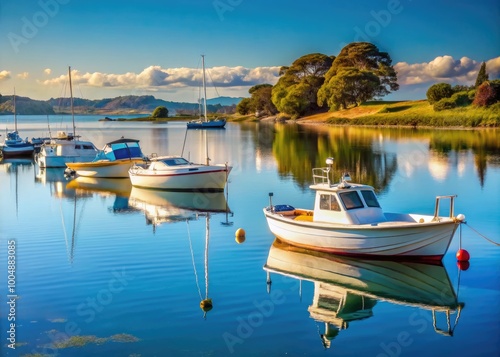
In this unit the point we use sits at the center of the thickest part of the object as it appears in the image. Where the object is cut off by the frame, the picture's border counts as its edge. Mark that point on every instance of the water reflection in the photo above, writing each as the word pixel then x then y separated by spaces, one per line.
pixel 170 207
pixel 14 166
pixel 120 188
pixel 56 181
pixel 366 152
pixel 346 290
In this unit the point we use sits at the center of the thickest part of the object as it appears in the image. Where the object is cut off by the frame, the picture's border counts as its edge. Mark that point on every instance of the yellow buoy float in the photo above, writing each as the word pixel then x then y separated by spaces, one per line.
pixel 240 235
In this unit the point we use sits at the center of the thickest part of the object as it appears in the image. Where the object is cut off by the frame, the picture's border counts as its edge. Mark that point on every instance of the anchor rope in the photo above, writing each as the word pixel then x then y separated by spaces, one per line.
pixel 482 235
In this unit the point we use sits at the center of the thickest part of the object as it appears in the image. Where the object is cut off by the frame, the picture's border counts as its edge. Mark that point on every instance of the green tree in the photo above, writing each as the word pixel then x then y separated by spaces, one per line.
pixel 360 63
pixel 349 87
pixel 438 91
pixel 482 76
pixel 244 107
pixel 261 99
pixel 296 90
pixel 160 112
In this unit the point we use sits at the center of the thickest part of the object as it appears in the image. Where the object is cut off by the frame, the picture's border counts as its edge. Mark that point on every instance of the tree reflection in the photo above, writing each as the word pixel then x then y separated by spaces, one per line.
pixel 299 148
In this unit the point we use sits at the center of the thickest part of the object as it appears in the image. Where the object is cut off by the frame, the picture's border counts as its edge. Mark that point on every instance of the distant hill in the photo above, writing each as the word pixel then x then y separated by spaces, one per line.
pixel 130 104
pixel 24 105
pixel 225 100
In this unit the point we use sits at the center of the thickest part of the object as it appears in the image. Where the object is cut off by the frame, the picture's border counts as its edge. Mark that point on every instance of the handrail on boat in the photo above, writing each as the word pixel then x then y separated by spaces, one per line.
pixel 452 206
pixel 321 175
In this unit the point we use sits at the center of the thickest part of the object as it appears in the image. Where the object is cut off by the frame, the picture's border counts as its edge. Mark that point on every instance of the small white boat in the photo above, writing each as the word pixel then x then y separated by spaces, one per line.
pixel 176 173
pixel 348 220
pixel 113 161
pixel 65 147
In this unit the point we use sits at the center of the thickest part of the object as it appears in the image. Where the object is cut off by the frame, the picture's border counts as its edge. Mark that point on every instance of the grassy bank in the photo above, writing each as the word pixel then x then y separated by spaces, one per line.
pixel 410 113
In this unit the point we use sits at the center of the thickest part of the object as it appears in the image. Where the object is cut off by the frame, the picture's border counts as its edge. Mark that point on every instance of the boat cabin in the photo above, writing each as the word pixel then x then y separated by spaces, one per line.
pixel 168 162
pixel 346 204
pixel 120 149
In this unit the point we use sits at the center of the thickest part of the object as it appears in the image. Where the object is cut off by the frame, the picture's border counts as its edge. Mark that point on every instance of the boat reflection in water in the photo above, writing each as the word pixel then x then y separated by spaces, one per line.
pixel 119 187
pixel 54 178
pixel 347 289
pixel 173 206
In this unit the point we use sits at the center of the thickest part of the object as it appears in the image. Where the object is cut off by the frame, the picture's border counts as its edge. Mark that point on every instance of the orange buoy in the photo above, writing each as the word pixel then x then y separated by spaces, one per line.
pixel 463 255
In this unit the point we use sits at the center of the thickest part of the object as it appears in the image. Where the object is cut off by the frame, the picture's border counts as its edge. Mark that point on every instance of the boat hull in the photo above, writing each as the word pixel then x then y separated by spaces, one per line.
pixel 395 240
pixel 214 124
pixel 103 169
pixel 206 178
pixel 18 150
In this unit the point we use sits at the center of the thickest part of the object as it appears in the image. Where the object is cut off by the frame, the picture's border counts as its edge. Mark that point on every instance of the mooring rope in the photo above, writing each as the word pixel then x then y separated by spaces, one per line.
pixel 482 235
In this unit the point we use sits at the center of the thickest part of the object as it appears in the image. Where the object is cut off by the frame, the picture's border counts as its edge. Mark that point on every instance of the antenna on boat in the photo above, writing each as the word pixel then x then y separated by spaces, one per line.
pixel 329 163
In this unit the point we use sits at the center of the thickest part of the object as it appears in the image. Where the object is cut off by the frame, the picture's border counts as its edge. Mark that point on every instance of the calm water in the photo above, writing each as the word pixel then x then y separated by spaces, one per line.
pixel 103 269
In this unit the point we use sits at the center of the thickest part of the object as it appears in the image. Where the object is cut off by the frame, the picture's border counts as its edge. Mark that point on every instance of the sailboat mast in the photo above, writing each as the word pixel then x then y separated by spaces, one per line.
pixel 205 108
pixel 15 112
pixel 204 88
pixel 71 102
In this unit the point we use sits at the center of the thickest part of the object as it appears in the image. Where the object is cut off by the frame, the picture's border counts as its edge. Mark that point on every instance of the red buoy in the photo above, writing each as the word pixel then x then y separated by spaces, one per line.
pixel 463 255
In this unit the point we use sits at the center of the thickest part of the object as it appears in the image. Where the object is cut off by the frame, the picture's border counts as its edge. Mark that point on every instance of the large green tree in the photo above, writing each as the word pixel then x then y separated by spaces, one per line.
pixel 296 90
pixel 259 101
pixel 362 71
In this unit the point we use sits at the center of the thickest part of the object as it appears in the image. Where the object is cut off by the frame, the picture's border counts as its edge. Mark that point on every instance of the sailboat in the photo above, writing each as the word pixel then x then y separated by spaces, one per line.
pixel 66 147
pixel 14 145
pixel 204 123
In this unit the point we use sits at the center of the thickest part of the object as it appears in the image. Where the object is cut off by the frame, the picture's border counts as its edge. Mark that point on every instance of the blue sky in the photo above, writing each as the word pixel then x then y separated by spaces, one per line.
pixel 154 47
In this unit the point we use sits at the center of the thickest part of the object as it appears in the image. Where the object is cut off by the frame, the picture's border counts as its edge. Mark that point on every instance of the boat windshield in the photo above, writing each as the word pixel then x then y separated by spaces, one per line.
pixel 370 199
pixel 123 151
pixel 175 161
pixel 351 200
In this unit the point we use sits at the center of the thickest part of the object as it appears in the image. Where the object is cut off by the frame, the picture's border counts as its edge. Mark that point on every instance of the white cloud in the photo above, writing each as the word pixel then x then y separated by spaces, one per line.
pixel 23 75
pixel 4 75
pixel 156 77
pixel 47 71
pixel 493 68
pixel 446 69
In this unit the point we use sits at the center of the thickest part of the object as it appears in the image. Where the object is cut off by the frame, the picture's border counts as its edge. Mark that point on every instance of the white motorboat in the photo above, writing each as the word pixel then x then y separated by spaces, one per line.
pixel 113 161
pixel 348 220
pixel 176 173
pixel 57 152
